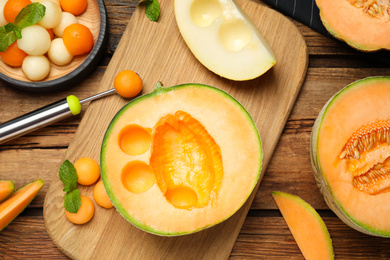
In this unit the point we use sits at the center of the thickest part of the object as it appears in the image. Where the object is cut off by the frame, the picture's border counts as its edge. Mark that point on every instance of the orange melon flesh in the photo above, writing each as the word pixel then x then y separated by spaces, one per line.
pixel 306 226
pixel 354 25
pixel 359 104
pixel 14 205
pixel 203 161
pixel 6 189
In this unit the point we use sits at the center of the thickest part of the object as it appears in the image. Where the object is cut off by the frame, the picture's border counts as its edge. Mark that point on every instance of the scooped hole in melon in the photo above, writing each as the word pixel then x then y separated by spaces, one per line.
pixel 134 140
pixel 235 35
pixel 138 177
pixel 204 12
pixel 182 197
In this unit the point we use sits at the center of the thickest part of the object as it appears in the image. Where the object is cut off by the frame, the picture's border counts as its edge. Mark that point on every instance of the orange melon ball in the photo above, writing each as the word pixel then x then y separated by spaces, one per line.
pixel 128 84
pixel 75 7
pixel 78 39
pixel 100 195
pixel 88 171
pixel 85 212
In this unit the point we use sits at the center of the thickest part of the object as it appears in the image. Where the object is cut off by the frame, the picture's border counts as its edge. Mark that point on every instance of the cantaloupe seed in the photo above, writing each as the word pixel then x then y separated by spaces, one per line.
pixel 100 195
pixel 369 175
pixel 88 171
pixel 134 139
pixel 85 212
pixel 184 152
pixel 138 177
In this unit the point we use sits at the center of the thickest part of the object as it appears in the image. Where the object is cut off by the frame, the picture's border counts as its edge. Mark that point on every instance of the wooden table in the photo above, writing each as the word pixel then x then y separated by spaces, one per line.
pixel 265 235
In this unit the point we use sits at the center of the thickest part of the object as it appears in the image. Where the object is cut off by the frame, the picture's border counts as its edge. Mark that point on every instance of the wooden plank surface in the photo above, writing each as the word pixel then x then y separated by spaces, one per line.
pixel 264 234
pixel 158 53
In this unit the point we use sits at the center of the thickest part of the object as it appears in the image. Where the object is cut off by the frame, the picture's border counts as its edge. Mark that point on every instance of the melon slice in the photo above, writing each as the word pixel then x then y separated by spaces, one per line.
pixel 223 38
pixel 14 205
pixel 306 226
pixel 6 189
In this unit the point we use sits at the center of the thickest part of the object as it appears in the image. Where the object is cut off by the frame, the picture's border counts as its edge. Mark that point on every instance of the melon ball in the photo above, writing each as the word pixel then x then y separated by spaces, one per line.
pixel 2 19
pixel 35 40
pixel 36 67
pixel 66 20
pixel 58 53
pixel 52 16
pixel 54 1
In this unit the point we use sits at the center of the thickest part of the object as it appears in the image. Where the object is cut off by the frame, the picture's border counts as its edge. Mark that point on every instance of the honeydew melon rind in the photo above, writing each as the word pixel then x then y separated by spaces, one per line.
pixel 160 90
pixel 321 180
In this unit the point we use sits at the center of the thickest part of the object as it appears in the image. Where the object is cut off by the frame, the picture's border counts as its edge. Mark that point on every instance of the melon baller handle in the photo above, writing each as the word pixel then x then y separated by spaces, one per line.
pixel 44 116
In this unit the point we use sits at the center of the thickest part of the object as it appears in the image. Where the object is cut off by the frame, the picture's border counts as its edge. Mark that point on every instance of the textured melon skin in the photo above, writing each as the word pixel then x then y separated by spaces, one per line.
pixel 159 90
pixel 320 178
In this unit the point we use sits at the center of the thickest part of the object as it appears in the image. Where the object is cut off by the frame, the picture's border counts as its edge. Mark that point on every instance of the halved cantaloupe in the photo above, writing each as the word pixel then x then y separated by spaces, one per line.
pixel 18 201
pixel 6 189
pixel 306 226
pixel 350 151
pixel 223 38
pixel 180 159
pixel 363 24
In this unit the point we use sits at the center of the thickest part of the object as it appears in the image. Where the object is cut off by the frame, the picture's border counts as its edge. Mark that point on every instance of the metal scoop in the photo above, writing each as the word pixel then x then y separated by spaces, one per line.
pixel 49 114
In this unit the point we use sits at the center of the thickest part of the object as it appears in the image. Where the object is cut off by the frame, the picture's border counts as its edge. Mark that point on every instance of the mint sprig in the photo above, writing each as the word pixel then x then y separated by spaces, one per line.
pixel 29 15
pixel 152 9
pixel 68 175
pixel 72 201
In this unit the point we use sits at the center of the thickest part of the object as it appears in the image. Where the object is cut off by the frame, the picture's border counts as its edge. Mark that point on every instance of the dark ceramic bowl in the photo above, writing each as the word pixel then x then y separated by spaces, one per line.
pixel 62 77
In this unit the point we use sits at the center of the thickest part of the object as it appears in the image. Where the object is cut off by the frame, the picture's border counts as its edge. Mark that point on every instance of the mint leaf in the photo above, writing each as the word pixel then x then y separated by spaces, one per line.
pixel 7 36
pixel 152 10
pixel 72 201
pixel 30 15
pixel 68 175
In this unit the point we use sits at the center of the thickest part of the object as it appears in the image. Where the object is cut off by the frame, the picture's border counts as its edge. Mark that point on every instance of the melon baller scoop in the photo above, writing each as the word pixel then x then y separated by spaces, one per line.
pixel 46 115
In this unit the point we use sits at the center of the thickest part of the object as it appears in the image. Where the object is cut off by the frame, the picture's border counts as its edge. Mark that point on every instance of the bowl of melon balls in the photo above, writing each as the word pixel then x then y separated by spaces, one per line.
pixel 50 45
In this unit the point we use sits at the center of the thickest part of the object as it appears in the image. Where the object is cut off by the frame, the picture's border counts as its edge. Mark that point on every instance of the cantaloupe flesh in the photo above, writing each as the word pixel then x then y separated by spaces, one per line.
pixel 6 188
pixel 349 23
pixel 146 209
pixel 363 104
pixel 306 226
pixel 14 205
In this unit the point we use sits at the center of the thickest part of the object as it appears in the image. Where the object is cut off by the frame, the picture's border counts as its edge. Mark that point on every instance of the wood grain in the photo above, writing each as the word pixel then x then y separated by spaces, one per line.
pixel 158 53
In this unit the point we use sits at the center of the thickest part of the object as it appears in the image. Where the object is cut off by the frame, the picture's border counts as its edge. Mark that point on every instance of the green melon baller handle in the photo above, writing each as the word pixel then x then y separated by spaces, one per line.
pixel 41 117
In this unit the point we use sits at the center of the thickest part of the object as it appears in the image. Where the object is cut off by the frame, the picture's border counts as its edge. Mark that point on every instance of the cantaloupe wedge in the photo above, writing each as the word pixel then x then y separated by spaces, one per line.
pixel 306 226
pixel 14 205
pixel 6 189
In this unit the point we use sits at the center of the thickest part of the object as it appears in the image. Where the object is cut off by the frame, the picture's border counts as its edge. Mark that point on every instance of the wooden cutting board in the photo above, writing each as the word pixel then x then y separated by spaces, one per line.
pixel 158 53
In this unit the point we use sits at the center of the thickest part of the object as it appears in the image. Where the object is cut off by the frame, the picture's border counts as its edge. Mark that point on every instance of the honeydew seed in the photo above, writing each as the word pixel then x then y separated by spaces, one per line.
pixel 35 40
pixel 58 53
pixel 66 20
pixel 52 16
pixel 36 67
pixel 2 19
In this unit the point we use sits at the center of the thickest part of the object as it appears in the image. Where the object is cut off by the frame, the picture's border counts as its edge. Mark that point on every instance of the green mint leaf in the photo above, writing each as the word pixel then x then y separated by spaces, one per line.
pixel 68 175
pixel 30 15
pixel 72 201
pixel 7 37
pixel 152 10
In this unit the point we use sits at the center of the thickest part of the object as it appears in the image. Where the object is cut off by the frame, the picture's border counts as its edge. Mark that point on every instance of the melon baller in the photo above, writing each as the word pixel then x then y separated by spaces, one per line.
pixel 46 115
